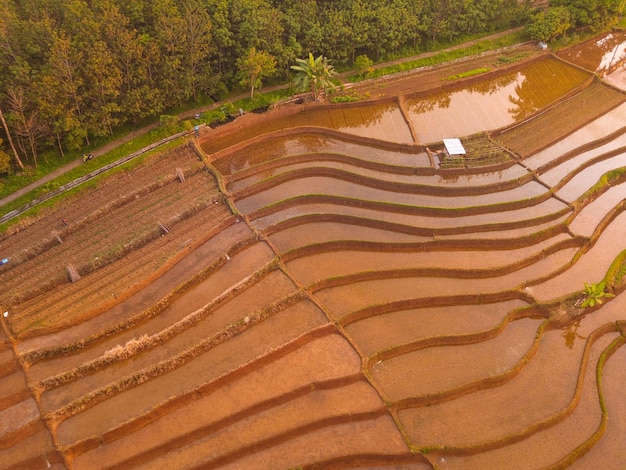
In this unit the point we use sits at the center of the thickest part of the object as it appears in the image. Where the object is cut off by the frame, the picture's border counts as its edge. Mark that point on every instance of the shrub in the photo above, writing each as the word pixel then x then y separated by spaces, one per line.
pixel 469 73
pixel 363 65
pixel 594 294
pixel 5 163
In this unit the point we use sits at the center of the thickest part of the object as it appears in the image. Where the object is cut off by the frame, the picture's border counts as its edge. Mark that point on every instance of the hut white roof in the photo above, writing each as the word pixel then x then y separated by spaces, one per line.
pixel 454 147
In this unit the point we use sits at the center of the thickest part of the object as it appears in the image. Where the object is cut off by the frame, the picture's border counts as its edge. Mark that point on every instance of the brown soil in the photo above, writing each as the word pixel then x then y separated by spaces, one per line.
pixel 323 299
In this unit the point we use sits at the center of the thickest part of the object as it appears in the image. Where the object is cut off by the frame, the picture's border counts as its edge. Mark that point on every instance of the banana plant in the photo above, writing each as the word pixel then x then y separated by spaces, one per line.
pixel 314 73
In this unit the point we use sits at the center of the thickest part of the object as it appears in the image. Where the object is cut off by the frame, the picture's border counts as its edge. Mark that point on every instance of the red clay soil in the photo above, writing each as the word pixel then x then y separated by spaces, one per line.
pixel 365 322
pixel 24 439
pixel 290 373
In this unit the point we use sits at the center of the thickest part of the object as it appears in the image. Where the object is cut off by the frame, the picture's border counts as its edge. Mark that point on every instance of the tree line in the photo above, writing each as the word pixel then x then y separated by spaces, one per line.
pixel 73 70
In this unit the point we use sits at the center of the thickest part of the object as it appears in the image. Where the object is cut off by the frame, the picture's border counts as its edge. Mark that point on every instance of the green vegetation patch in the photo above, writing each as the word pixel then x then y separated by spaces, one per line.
pixel 506 60
pixel 444 56
pixel 469 73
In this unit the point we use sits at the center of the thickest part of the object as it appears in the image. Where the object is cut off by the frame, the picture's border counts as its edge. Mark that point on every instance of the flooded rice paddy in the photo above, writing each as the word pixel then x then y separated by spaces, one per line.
pixel 370 301
pixel 492 103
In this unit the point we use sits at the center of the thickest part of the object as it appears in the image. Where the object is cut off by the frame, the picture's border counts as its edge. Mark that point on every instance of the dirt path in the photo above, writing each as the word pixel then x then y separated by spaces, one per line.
pixel 188 114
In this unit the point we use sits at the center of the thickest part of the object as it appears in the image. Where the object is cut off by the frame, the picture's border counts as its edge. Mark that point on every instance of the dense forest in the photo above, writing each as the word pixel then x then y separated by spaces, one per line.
pixel 77 69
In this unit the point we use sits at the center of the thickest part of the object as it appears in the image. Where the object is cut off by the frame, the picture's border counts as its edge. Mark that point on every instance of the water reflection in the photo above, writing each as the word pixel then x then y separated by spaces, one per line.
pixel 487 104
pixel 602 55
pixel 570 333
pixel 383 121
pixel 306 144
pixel 441 100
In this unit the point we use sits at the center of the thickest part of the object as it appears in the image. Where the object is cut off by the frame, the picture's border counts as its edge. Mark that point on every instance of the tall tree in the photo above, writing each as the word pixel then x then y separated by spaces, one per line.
pixel 5 162
pixel 59 94
pixel 6 129
pixel 167 26
pixel 254 67
pixel 302 22
pixel 131 53
pixel 549 24
pixel 597 14
pixel 196 43
pixel 256 23
pixel 223 40
pixel 102 87
pixel 29 127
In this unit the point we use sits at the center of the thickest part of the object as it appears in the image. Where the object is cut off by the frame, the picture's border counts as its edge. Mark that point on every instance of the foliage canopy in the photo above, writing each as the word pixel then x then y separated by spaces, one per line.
pixel 75 71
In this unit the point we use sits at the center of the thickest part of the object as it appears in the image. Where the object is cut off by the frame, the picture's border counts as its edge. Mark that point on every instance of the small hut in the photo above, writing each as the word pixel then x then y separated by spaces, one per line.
pixel 453 148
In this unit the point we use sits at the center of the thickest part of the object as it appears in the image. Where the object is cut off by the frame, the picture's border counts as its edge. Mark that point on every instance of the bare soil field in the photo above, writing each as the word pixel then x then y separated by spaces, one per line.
pixel 320 292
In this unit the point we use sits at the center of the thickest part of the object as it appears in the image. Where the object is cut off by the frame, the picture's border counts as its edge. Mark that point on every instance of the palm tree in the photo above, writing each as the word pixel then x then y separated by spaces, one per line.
pixel 314 74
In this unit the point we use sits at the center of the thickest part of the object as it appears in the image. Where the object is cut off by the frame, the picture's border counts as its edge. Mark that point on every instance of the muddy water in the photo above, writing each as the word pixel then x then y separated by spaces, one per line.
pixel 279 147
pixel 611 447
pixel 294 371
pixel 545 447
pixel 17 416
pixel 588 219
pixel 603 55
pixel 596 129
pixel 480 223
pixel 267 291
pixel 486 415
pixel 492 103
pixel 29 451
pixel 587 177
pixel 343 300
pixel 383 121
pixel 352 169
pixel 591 267
pixel 337 441
pixel 414 374
pixel 336 187
pixel 340 263
pixel 285 418
pixel 223 359
pixel 308 234
pixel 404 326
pixel 555 175
pixel 355 168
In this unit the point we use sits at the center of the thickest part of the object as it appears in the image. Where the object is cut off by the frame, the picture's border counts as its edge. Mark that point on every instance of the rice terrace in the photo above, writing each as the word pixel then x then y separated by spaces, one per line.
pixel 324 286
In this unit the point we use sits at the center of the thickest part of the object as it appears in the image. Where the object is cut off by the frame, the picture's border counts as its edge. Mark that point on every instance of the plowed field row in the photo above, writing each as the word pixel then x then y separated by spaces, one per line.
pixel 154 169
pixel 561 120
pixel 91 246
pixel 86 298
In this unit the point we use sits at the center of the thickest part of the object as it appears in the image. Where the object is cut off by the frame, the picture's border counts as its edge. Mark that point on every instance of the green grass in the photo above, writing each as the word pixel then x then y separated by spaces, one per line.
pixel 445 56
pixel 469 73
pixel 344 99
pixel 512 59
pixel 110 157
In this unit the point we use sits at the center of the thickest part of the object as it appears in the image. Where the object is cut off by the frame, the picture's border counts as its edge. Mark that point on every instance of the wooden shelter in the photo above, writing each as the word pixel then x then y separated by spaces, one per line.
pixel 453 148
